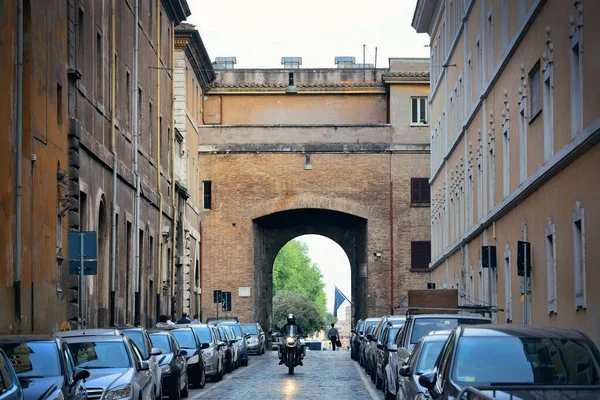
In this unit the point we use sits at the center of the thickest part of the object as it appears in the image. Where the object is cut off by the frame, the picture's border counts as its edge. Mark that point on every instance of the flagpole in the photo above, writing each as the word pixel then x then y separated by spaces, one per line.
pixel 342 294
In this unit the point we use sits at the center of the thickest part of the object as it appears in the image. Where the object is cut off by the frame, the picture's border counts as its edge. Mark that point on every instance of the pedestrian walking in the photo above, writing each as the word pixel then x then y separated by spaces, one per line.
pixel 334 336
pixel 195 320
pixel 184 319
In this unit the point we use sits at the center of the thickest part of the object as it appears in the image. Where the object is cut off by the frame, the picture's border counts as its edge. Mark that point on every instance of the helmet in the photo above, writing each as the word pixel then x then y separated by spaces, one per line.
pixel 291 319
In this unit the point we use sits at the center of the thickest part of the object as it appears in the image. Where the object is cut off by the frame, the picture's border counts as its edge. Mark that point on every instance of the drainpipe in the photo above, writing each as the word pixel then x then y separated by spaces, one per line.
pixel 158 164
pixel 173 201
pixel 391 238
pixel 113 147
pixel 136 172
pixel 19 187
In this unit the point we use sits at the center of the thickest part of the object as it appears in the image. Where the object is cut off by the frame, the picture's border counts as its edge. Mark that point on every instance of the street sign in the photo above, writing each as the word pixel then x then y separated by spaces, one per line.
pixel 216 296
pixel 90 253
pixel 226 296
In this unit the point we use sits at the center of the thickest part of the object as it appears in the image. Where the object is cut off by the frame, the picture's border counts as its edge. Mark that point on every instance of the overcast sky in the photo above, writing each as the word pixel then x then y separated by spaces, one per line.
pixel 260 32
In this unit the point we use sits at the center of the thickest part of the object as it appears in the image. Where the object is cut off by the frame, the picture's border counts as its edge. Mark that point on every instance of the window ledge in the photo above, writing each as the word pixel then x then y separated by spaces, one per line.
pixel 417 205
pixel 421 270
pixel 413 125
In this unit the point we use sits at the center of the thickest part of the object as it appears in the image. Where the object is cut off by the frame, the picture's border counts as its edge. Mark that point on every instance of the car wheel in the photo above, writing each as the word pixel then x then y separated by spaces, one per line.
pixel 202 380
pixel 186 389
pixel 245 363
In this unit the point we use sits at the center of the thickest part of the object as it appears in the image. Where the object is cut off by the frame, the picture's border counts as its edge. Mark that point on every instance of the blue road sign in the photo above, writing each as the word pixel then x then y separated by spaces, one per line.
pixel 90 253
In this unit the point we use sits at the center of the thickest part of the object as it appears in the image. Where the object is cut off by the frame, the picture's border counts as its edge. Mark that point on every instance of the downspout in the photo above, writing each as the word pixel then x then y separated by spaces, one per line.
pixel 158 165
pixel 113 148
pixel 173 201
pixel 19 169
pixel 391 239
pixel 136 171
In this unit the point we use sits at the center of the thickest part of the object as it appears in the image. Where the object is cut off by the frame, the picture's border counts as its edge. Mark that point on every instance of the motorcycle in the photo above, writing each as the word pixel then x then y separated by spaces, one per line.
pixel 291 348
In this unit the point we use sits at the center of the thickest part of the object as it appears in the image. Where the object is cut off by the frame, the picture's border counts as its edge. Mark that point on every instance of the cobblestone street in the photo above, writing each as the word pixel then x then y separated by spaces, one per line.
pixel 325 375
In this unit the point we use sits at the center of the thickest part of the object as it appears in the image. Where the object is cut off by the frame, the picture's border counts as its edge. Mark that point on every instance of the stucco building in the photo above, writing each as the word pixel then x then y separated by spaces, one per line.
pixel 337 154
pixel 515 123
pixel 193 75
pixel 33 292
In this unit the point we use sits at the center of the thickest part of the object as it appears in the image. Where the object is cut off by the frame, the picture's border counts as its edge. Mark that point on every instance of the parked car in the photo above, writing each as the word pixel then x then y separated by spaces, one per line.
pixel 173 365
pixel 10 388
pixel 214 354
pixel 116 367
pixel 375 340
pixel 355 340
pixel 142 340
pixel 187 340
pixel 88 332
pixel 383 352
pixel 256 342
pixel 45 367
pixel 240 336
pixel 402 382
pixel 369 329
pixel 235 345
pixel 230 348
pixel 515 360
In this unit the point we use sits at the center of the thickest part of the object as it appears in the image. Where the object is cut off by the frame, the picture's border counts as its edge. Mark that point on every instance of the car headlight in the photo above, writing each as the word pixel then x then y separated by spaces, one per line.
pixel 166 369
pixel 254 341
pixel 193 359
pixel 119 393
pixel 208 353
pixel 291 340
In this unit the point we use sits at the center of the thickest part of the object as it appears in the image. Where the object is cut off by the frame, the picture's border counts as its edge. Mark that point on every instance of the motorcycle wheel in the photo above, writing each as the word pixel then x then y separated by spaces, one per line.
pixel 291 369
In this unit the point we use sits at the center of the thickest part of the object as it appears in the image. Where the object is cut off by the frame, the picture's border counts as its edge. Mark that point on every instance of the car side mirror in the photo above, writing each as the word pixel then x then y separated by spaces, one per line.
pixel 369 336
pixel 155 352
pixel 353 331
pixel 392 347
pixel 380 346
pixel 205 346
pixel 248 335
pixel 144 366
pixel 221 344
pixel 232 341
pixel 428 380
pixel 182 353
pixel 405 370
pixel 80 374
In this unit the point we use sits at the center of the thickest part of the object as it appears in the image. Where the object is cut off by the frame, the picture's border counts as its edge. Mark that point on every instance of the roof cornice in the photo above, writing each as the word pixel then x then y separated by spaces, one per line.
pixel 177 10
pixel 423 15
pixel 188 39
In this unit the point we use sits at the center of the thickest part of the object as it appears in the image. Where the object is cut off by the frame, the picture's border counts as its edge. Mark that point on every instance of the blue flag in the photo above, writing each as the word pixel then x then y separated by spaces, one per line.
pixel 338 300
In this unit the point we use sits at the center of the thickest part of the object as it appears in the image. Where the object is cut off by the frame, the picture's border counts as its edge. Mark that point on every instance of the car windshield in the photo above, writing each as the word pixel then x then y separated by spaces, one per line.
pixel 428 356
pixel 100 355
pixel 185 338
pixel 423 326
pixel 203 334
pixel 250 329
pixel 540 361
pixel 33 359
pixel 392 334
pixel 138 339
pixel 161 342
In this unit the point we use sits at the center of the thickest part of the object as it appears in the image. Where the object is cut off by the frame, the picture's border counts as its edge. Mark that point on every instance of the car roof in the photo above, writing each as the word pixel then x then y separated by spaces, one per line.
pixel 27 338
pixel 522 331
pixel 374 319
pixel 435 338
pixel 449 316
pixel 158 331
pixel 442 332
pixel 89 332
pixel 91 338
pixel 131 328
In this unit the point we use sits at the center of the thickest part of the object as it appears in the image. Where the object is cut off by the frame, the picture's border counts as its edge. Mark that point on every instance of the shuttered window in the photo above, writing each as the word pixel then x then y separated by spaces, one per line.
pixel 419 191
pixel 420 254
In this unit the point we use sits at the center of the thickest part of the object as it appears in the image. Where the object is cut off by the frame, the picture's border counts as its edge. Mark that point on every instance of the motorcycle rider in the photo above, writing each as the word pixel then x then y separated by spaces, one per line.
pixel 291 321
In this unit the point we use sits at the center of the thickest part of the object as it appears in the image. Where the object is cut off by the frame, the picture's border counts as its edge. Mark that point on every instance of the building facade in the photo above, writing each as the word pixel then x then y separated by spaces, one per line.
pixel 515 122
pixel 193 75
pixel 35 173
pixel 336 152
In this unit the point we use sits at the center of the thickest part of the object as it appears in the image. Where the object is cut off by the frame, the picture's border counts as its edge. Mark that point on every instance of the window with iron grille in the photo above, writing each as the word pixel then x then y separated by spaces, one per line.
pixel 207 189
pixel 420 191
pixel 420 254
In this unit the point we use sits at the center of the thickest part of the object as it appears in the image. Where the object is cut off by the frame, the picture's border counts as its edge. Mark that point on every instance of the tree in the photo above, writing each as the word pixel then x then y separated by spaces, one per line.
pixel 330 319
pixel 293 270
pixel 307 315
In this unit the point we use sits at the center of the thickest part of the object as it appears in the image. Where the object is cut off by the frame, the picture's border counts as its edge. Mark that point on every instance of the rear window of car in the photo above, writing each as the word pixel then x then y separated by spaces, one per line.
pixel 422 326
pixel 161 342
pixel 250 329
pixel 97 355
pixel 39 359
pixel 185 338
pixel 428 356
pixel 203 334
pixel 540 361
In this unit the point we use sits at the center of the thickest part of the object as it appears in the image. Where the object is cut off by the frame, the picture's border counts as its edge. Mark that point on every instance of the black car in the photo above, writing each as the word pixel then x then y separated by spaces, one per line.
pixel 229 350
pixel 514 360
pixel 355 340
pixel 240 337
pixel 10 388
pixel 187 340
pixel 45 367
pixel 172 363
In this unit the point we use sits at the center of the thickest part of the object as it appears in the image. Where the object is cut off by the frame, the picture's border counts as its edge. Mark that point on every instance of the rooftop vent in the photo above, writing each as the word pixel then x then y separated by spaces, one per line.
pixel 291 62
pixel 345 62
pixel 224 62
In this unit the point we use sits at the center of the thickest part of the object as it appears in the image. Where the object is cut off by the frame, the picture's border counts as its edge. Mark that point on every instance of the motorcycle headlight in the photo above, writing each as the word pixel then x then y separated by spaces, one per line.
pixel 193 359
pixel 291 340
pixel 166 369
pixel 119 393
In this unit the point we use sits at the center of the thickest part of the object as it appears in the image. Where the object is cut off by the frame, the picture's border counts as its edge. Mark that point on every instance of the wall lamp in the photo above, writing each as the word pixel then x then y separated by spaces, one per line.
pixel 377 254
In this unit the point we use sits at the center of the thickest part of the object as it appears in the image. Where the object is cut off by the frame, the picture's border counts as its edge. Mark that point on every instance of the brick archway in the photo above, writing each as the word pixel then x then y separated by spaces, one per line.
pixel 271 232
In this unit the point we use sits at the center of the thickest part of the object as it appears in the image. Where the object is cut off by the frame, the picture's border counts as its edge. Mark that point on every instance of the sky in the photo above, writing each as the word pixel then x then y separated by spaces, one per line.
pixel 260 32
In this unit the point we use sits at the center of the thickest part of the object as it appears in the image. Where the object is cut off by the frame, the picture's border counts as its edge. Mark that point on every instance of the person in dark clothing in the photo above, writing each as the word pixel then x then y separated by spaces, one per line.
pixel 291 324
pixel 184 319
pixel 334 336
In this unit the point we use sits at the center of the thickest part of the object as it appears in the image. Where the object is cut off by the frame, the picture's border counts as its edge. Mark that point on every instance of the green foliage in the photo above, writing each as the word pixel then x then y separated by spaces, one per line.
pixel 330 319
pixel 295 271
pixel 307 315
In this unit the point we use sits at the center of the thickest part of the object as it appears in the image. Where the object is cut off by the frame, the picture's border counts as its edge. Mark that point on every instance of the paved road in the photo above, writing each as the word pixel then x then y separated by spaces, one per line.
pixel 325 375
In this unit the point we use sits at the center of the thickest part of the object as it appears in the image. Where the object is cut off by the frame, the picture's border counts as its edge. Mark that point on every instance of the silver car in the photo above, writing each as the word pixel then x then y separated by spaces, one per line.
pixel 214 355
pixel 117 369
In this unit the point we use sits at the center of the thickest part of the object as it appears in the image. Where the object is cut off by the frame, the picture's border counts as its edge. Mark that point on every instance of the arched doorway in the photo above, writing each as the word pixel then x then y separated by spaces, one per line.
pixel 273 231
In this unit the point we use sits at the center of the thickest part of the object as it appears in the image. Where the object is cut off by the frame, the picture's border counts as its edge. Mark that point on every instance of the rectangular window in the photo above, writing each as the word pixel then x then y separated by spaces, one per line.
pixel 419 110
pixel 535 104
pixel 522 144
pixel 492 176
pixel 504 24
pixel 506 159
pixel 579 258
pixel 508 288
pixel 139 111
pixel 99 67
pixel 420 254
pixel 128 95
pixel 576 89
pixel 469 89
pixel 207 195
pixel 80 58
pixel 551 268
pixel 82 211
pixel 420 191
pixel 151 128
pixel 59 253
pixel 59 104
pixel 479 67
pixel 151 17
pixel 490 43
pixel 548 113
